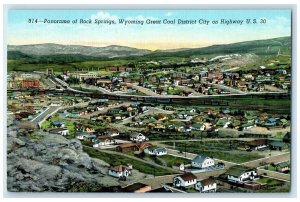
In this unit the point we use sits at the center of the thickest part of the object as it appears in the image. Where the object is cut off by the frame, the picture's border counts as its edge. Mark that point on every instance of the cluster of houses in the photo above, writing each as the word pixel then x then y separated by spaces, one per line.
pixel 25 106
pixel 208 119
pixel 94 106
pixel 187 180
pixel 111 84
pixel 165 81
pixel 236 174
pixel 122 112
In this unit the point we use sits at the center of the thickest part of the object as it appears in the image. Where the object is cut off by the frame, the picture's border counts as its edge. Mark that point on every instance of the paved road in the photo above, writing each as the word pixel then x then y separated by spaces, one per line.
pixel 45 114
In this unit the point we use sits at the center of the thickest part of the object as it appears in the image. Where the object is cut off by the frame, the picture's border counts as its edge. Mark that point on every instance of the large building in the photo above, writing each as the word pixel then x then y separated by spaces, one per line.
pixel 30 83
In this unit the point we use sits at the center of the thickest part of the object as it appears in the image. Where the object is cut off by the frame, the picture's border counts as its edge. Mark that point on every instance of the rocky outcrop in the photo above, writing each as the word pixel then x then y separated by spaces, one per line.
pixel 39 161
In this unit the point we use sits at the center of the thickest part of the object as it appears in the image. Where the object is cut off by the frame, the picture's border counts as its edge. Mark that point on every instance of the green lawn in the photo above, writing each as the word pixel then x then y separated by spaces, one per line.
pixel 69 125
pixel 270 181
pixel 114 159
pixel 170 160
pixel 223 150
pixel 270 167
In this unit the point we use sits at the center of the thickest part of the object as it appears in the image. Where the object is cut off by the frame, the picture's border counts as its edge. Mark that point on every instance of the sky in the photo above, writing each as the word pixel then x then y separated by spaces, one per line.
pixel 147 36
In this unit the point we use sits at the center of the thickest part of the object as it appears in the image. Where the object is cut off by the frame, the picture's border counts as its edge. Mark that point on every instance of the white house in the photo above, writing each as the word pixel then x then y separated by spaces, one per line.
pixel 199 127
pixel 58 124
pixel 113 132
pixel 103 141
pixel 184 180
pixel 137 137
pixel 202 161
pixel 85 136
pixel 156 151
pixel 206 185
pixel 60 131
pixel 239 174
pixel 120 171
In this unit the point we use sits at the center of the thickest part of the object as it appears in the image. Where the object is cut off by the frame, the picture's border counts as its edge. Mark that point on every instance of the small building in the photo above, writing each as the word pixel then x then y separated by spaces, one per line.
pixel 199 127
pixel 60 131
pixel 277 145
pixel 184 180
pixel 127 147
pixel 113 132
pixel 84 128
pixel 239 174
pixel 30 83
pixel 58 124
pixel 133 146
pixel 137 137
pixel 120 171
pixel 156 151
pixel 258 144
pixel 85 136
pixel 283 167
pixel 248 126
pixel 206 185
pixel 178 166
pixel 202 161
pixel 103 141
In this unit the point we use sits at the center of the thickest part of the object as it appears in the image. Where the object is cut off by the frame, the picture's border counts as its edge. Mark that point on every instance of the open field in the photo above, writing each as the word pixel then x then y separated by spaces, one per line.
pixel 222 150
pixel 114 159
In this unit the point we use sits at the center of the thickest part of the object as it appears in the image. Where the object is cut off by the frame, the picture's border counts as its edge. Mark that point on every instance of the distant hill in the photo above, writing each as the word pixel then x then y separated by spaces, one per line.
pixel 73 53
pixel 258 47
pixel 58 49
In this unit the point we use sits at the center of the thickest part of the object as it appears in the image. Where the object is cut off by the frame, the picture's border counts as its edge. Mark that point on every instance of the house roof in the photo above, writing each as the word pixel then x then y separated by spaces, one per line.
pixel 187 176
pixel 237 170
pixel 199 158
pixel 161 149
pixel 283 164
pixel 207 181
pixel 258 142
pixel 135 134
pixel 58 122
pixel 143 145
pixel 277 144
pixel 119 168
